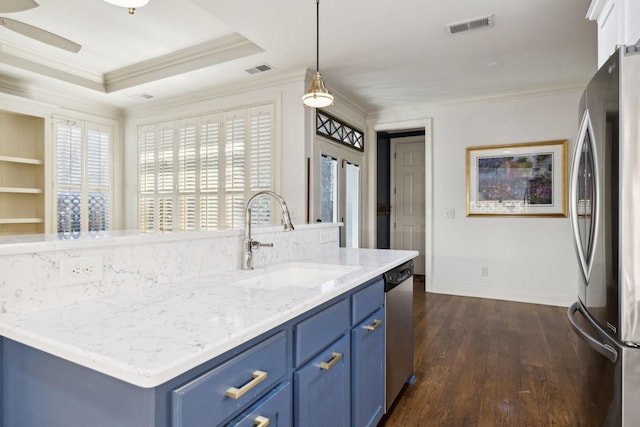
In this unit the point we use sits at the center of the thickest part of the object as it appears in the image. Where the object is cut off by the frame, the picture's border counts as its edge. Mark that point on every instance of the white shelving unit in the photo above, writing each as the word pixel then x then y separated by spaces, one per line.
pixel 22 203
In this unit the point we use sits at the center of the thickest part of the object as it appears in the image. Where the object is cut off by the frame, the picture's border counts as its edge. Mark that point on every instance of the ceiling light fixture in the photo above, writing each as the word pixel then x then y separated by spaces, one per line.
pixel 317 95
pixel 129 4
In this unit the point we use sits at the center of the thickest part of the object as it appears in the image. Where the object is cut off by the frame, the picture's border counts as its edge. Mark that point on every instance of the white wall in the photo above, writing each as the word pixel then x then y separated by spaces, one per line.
pixel 529 259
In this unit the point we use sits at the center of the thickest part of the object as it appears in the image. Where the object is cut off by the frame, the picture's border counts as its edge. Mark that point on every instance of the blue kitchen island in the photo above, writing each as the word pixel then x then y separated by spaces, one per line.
pixel 298 343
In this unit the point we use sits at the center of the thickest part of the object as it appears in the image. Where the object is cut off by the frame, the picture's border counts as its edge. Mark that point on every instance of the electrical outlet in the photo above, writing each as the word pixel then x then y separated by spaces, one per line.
pixel 333 235
pixel 78 270
pixel 324 236
pixel 484 271
pixel 450 213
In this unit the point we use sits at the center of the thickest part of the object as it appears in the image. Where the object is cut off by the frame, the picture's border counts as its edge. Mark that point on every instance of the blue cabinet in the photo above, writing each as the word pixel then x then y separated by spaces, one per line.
pixel 322 388
pixel 367 346
pixel 368 355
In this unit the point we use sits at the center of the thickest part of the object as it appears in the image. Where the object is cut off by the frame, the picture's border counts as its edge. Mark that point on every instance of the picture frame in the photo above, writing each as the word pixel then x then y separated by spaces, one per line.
pixel 519 180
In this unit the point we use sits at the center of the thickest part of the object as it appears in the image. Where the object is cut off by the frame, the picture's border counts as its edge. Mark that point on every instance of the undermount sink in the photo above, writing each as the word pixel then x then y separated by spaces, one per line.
pixel 295 274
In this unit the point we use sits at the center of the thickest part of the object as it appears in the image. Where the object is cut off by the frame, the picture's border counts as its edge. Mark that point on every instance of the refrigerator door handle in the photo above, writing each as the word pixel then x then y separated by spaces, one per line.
pixel 585 258
pixel 604 349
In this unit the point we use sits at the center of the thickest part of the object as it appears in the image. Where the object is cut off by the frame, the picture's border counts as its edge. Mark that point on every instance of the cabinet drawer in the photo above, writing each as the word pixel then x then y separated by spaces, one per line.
pixel 273 410
pixel 318 331
pixel 210 396
pixel 367 301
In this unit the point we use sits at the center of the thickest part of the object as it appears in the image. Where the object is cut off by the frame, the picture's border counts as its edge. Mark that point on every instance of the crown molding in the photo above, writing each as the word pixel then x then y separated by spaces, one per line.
pixel 50 101
pixel 213 52
pixel 257 82
pixel 498 97
pixel 30 56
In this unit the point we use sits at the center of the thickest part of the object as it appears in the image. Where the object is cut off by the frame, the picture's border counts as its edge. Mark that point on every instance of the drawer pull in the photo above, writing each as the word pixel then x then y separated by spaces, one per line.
pixel 335 358
pixel 372 327
pixel 261 421
pixel 236 393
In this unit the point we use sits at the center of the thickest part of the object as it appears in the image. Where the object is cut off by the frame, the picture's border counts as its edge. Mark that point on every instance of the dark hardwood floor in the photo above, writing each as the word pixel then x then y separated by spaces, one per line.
pixel 482 362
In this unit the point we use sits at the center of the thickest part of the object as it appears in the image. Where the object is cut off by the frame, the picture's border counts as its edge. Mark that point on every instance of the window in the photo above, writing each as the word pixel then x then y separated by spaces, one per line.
pixel 338 131
pixel 82 177
pixel 340 150
pixel 198 173
pixel 328 188
pixel 338 190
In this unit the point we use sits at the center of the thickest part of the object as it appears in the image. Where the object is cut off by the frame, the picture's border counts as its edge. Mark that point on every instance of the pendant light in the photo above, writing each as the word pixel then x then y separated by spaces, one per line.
pixel 317 95
pixel 129 4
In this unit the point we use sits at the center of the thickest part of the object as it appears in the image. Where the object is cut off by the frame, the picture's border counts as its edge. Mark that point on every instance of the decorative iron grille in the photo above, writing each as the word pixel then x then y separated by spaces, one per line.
pixel 339 131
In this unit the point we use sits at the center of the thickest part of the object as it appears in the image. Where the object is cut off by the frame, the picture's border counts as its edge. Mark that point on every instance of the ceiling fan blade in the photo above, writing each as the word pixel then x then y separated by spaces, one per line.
pixel 39 34
pixel 8 6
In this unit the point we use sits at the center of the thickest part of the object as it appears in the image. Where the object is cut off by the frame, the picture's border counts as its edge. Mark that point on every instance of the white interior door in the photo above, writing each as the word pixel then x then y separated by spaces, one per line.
pixel 408 198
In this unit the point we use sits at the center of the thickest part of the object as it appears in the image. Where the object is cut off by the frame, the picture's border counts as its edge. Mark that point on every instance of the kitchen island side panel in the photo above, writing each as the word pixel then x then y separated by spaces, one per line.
pixel 43 390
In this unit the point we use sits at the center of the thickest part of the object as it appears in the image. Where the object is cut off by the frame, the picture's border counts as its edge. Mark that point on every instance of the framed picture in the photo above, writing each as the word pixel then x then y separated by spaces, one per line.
pixel 527 179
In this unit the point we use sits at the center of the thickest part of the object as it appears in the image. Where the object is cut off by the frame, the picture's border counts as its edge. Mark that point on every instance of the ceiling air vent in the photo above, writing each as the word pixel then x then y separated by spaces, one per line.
pixel 259 69
pixel 473 24
pixel 142 96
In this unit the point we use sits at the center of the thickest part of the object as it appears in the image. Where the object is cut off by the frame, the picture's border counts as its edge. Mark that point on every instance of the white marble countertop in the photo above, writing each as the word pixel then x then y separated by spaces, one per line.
pixel 150 336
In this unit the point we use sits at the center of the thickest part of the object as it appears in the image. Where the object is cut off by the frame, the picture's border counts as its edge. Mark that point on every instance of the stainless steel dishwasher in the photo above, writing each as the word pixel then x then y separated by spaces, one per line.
pixel 398 288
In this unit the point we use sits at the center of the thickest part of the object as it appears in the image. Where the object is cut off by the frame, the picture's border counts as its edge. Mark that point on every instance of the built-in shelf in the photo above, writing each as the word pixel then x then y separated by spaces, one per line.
pixel 21 220
pixel 21 190
pixel 22 173
pixel 23 160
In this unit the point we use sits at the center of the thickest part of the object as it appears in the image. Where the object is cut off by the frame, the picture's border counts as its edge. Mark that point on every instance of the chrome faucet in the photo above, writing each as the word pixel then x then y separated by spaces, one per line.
pixel 249 244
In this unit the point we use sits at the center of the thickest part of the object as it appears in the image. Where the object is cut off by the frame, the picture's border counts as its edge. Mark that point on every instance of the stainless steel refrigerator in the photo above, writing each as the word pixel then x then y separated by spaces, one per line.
pixel 604 203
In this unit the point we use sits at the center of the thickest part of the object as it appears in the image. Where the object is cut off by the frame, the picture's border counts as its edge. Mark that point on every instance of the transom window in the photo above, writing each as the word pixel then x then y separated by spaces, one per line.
pixel 338 131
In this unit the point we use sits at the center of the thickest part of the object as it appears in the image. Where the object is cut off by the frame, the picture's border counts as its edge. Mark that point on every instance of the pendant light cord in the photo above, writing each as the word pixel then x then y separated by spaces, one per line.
pixel 317 35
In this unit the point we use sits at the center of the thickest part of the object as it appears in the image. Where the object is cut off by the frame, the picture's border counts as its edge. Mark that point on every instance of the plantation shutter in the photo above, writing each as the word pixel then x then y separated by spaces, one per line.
pixel 69 178
pixel 198 173
pixel 82 177
pixel 209 171
pixel 98 178
pixel 234 164
pixel 187 174
pixel 260 155
pixel 166 167
pixel 147 172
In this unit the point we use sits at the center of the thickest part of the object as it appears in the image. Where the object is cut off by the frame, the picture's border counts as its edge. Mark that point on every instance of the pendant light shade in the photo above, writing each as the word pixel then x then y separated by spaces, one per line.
pixel 129 4
pixel 317 95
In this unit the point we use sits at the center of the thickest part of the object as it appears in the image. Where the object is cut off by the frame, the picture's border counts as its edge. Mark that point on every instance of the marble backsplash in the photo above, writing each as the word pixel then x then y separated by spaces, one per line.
pixel 30 272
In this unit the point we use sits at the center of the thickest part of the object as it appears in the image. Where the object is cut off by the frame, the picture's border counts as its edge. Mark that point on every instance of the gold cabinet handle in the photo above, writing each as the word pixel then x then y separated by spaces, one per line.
pixel 372 327
pixel 335 358
pixel 261 421
pixel 236 393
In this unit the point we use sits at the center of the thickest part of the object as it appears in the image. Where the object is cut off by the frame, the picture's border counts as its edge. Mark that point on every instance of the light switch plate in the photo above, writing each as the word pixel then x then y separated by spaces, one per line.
pixel 78 270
